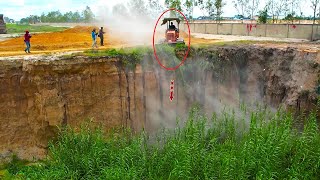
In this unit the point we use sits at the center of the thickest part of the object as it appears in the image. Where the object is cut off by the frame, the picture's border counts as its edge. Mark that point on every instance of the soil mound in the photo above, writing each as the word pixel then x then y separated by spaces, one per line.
pixel 81 29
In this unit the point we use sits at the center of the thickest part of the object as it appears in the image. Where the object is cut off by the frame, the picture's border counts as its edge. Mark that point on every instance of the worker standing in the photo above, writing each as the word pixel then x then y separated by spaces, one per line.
pixel 94 38
pixel 101 36
pixel 27 37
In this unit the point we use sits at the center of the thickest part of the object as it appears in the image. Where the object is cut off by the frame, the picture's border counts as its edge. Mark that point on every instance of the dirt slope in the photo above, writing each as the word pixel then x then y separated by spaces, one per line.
pixel 71 39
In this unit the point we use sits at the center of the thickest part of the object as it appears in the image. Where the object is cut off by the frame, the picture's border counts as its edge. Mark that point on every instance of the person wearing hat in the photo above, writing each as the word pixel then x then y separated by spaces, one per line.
pixel 27 37
pixel 94 38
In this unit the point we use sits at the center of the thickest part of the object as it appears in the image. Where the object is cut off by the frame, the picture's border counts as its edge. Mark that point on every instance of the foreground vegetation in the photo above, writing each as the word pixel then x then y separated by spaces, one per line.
pixel 223 147
pixel 19 28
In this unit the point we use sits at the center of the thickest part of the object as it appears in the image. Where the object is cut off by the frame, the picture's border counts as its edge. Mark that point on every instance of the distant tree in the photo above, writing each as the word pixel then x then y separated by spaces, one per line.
pixel 43 18
pixel 281 8
pixel 272 8
pixel 242 7
pixel 290 17
pixel 54 16
pixel 155 8
pixel 291 11
pixel 67 17
pixel 88 15
pixel 189 4
pixel 30 19
pixel 253 7
pixel 209 7
pixel 36 19
pixel 314 6
pixel 295 4
pixel 137 8
pixel 263 16
pixel 218 4
pixel 57 16
pixel 173 4
pixel 119 10
pixel 76 17
pixel 33 19
pixel 24 21
pixel 202 5
pixel 300 11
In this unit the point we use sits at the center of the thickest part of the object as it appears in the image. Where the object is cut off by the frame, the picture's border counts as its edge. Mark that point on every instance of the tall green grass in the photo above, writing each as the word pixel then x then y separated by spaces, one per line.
pixel 19 28
pixel 220 147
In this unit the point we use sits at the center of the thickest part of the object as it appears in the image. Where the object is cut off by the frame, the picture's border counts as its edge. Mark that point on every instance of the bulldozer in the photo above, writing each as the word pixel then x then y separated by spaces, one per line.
pixel 172 33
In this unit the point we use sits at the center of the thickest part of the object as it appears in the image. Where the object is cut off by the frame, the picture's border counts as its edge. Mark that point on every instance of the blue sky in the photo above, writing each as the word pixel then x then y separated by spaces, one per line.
pixel 17 9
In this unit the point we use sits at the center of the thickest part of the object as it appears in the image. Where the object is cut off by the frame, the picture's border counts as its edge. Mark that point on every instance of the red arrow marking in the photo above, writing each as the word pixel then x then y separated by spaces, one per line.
pixel 171 90
pixel 171 96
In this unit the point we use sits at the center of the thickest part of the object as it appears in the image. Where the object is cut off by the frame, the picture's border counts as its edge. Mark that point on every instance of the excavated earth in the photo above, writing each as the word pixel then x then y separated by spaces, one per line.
pixel 37 95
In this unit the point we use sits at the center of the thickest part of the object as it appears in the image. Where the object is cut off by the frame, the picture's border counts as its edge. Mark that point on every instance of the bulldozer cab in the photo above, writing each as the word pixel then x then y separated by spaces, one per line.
pixel 172 32
pixel 168 21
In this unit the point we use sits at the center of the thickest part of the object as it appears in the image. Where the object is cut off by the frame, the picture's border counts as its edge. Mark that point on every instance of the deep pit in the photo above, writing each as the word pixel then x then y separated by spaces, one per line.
pixel 39 95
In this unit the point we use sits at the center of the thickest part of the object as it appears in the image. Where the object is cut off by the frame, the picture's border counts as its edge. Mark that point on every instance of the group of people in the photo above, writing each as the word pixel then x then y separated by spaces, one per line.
pixel 94 36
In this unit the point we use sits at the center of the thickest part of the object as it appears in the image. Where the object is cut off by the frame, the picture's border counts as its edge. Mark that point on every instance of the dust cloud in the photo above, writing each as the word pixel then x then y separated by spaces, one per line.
pixel 213 92
pixel 194 85
pixel 133 20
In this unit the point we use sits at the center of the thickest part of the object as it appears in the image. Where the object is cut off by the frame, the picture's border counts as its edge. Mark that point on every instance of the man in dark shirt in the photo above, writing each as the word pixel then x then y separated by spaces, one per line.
pixel 27 37
pixel 101 36
pixel 172 26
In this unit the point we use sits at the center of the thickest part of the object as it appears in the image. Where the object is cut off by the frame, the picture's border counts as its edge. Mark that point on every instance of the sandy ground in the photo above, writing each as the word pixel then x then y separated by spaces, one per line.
pixel 300 44
pixel 246 38
pixel 79 39
pixel 4 37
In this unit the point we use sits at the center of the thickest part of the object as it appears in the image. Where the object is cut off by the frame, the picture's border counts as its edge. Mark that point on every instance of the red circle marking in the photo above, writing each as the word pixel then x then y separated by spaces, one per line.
pixel 154 49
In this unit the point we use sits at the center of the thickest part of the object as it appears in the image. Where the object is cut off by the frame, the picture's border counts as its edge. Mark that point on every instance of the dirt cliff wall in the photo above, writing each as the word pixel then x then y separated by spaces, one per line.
pixel 36 96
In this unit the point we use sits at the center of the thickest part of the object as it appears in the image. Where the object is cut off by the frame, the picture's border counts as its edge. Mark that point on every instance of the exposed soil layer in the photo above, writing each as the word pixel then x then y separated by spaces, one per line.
pixel 36 96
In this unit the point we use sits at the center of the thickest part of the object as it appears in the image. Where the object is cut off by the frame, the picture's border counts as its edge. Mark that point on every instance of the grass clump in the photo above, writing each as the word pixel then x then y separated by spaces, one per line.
pixel 20 28
pixel 217 148
pixel 181 47
pixel 7 170
pixel 109 52
pixel 118 53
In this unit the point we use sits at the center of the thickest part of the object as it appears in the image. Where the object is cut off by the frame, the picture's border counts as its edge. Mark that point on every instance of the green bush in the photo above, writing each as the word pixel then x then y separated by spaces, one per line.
pixel 263 16
pixel 223 147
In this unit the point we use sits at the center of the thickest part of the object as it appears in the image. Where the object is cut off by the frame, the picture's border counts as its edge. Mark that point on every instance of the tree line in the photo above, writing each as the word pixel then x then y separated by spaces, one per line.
pixel 289 9
pixel 273 9
pixel 57 17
